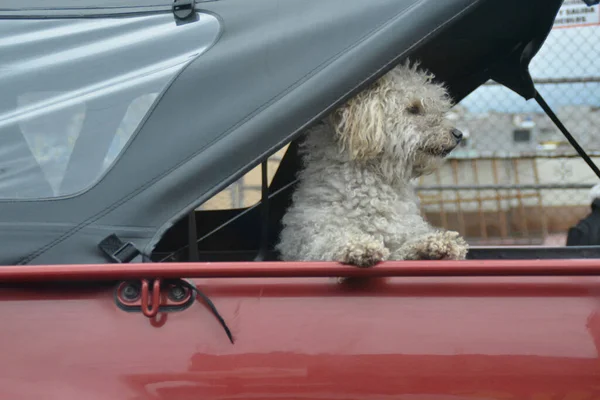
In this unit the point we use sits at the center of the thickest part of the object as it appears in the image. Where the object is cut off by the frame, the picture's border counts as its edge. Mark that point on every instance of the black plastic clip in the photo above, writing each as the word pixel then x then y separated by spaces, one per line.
pixel 184 9
pixel 117 250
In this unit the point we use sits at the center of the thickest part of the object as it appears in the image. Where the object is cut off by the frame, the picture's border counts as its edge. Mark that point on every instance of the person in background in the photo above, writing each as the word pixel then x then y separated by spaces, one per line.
pixel 587 231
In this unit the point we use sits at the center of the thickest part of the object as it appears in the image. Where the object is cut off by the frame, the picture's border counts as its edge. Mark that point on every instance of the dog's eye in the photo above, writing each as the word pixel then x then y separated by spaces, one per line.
pixel 415 109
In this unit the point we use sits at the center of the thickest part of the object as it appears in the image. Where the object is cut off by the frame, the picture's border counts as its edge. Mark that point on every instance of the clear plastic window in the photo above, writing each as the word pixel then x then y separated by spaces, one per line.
pixel 74 92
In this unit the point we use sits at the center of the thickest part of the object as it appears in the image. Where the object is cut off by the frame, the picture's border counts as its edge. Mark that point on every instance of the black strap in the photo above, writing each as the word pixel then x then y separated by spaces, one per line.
pixel 210 305
pixel 540 100
pixel 184 9
pixel 117 250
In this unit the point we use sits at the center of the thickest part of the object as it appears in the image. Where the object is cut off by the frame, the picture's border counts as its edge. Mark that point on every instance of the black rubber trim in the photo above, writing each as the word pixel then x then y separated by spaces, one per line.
pixel 161 309
pixel 533 253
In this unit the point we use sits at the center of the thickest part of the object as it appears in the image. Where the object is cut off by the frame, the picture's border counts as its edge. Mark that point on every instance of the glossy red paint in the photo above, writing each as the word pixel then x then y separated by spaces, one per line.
pixel 412 337
pixel 27 273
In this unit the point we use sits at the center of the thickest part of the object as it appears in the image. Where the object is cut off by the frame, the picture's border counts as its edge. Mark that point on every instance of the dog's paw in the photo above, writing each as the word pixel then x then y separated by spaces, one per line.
pixel 443 245
pixel 364 254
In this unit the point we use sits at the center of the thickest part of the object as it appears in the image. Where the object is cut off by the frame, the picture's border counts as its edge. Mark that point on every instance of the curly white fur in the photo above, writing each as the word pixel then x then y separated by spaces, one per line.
pixel 354 202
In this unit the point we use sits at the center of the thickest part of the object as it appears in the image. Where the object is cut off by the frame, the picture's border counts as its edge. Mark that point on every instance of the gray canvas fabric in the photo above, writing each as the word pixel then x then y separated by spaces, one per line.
pixel 276 67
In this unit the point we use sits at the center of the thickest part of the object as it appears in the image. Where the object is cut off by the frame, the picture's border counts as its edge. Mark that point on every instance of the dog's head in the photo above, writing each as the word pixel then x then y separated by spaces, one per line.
pixel 400 120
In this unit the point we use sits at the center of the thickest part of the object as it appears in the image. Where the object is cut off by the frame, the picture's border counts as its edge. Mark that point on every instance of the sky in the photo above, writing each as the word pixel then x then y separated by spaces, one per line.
pixel 567 53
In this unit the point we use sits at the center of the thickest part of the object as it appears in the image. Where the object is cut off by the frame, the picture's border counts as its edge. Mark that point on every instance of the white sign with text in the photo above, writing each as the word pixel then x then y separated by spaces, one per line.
pixel 575 13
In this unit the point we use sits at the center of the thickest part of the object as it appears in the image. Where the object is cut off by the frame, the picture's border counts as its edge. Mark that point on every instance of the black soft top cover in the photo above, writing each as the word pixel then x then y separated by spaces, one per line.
pixel 258 73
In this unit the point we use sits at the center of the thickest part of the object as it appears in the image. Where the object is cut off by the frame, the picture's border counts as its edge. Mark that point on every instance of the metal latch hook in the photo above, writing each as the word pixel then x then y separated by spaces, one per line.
pixel 150 310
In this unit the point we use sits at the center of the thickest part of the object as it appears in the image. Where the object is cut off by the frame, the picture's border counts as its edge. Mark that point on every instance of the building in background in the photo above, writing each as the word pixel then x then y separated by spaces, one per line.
pixel 515 179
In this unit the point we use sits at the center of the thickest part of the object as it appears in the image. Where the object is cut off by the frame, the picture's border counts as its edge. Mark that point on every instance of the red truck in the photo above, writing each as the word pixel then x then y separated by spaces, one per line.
pixel 114 284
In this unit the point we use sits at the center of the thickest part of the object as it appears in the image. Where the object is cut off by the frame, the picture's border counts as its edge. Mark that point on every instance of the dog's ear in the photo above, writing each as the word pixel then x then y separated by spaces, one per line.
pixel 360 123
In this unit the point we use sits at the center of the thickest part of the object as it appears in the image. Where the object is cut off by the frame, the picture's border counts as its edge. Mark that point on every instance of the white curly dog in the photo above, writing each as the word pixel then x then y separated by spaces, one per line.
pixel 354 202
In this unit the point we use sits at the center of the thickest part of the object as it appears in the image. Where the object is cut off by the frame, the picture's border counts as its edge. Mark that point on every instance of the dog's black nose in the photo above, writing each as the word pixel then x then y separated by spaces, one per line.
pixel 457 134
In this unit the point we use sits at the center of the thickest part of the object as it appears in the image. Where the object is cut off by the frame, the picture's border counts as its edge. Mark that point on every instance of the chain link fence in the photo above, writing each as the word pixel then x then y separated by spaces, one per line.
pixel 515 180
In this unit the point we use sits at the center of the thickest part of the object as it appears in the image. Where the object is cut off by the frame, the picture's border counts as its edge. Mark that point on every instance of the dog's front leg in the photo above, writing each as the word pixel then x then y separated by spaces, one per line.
pixel 435 245
pixel 347 245
pixel 344 244
pixel 360 249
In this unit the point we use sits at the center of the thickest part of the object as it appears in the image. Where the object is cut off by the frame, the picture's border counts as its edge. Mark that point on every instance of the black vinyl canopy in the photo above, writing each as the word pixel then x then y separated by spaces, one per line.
pixel 123 125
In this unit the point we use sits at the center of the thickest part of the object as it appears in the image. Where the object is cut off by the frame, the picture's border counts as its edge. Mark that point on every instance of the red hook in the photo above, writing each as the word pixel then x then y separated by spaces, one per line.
pixel 148 311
